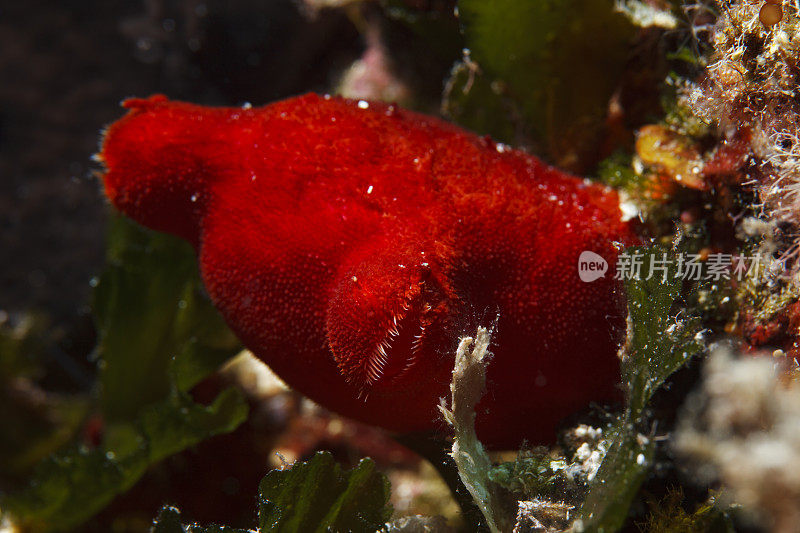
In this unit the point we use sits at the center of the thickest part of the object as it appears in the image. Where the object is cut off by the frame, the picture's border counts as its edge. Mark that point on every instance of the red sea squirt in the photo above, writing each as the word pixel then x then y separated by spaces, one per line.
pixel 349 245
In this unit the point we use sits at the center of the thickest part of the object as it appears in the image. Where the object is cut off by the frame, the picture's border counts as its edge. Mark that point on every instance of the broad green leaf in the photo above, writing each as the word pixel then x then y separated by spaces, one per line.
pixel 659 343
pixel 72 486
pixel 318 496
pixel 155 324
pixel 314 496
pixel 159 336
pixel 618 479
pixel 558 61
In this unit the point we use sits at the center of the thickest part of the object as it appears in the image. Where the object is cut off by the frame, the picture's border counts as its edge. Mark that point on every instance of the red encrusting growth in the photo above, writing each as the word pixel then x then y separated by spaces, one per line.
pixel 350 244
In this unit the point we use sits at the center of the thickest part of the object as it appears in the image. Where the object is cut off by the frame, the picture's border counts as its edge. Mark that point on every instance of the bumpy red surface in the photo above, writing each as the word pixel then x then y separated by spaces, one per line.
pixel 350 244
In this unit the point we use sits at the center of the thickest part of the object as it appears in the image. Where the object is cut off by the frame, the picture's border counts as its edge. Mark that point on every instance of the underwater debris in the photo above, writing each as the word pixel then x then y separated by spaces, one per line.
pixel 751 88
pixel 466 390
pixel 742 428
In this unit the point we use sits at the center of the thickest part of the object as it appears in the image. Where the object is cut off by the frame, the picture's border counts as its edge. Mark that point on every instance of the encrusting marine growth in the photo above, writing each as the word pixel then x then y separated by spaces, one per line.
pixel 350 244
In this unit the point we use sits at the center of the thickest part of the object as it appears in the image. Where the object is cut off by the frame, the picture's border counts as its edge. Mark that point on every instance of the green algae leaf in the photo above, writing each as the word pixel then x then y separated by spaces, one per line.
pixel 68 488
pixel 312 496
pixel 534 474
pixel 71 486
pixel 659 343
pixel 618 479
pixel 319 496
pixel 559 61
pixel 617 172
pixel 156 326
pixel 159 336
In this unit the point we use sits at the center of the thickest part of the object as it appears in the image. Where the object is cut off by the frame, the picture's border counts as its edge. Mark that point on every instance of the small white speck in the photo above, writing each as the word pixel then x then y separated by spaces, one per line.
pixel 193 198
pixel 326 96
pixel 253 177
pixel 369 189
pixel 640 459
pixel 354 279
pixel 416 160
pixel 283 114
pixel 247 105
pixel 363 104
pixel 501 148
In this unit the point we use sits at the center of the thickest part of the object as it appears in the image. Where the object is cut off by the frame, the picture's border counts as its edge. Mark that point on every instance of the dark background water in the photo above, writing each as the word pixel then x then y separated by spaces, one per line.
pixel 65 67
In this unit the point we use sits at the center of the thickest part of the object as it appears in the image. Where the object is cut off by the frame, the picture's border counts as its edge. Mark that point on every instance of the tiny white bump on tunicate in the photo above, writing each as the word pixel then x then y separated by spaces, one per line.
pixel 247 105
pixel 363 104
pixel 369 189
